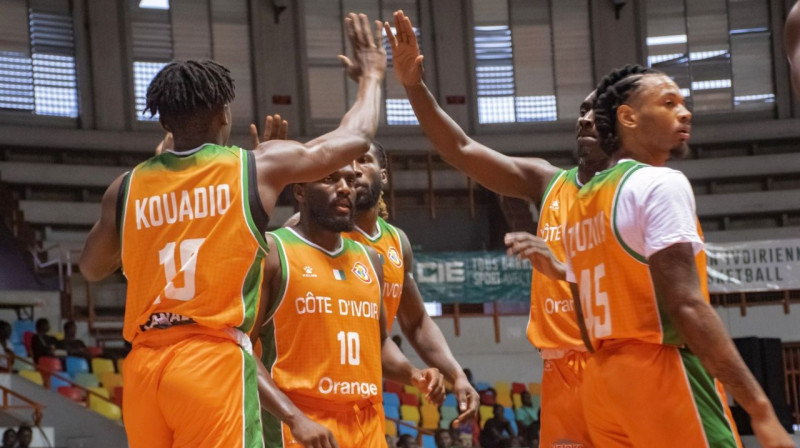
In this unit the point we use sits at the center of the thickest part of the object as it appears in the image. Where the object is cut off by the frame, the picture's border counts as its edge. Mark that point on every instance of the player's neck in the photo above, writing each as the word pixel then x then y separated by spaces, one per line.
pixel 191 141
pixel 367 220
pixel 315 233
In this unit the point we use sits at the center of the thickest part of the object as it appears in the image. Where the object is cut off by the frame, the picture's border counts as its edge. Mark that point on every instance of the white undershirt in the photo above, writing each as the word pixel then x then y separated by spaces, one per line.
pixel 655 210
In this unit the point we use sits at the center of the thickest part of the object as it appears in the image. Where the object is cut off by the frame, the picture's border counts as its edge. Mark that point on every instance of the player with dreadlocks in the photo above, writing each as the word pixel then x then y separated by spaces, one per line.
pixel 187 227
pixel 635 258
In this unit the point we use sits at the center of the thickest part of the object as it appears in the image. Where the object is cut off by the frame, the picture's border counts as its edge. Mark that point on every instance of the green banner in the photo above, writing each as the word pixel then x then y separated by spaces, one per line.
pixel 472 277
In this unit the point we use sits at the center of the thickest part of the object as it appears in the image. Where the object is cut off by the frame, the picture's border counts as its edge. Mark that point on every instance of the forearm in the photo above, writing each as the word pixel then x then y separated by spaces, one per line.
pixel 363 117
pixel 396 366
pixel 446 135
pixel 705 335
pixel 99 257
pixel 429 342
pixel 273 400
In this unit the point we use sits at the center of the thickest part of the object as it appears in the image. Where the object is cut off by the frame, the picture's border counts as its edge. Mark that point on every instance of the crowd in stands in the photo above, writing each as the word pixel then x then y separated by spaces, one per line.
pixel 21 438
pixel 64 364
pixel 508 417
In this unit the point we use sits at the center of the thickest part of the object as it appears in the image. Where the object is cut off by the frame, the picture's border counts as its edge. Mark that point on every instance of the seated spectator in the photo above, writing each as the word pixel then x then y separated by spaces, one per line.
pixel 70 344
pixel 444 439
pixel 10 439
pixel 497 430
pixel 43 343
pixel 467 434
pixel 516 442
pixel 407 441
pixel 24 436
pixel 527 419
pixel 6 351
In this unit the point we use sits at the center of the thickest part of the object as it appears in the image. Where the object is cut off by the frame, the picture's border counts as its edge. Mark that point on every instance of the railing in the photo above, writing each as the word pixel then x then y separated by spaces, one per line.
pixel 37 408
pixel 47 373
pixel 420 431
pixel 791 369
pixel 63 264
pixel 746 299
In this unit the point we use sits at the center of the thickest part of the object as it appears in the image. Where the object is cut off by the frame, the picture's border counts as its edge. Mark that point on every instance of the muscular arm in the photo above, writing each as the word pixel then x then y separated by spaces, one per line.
pixel 521 177
pixel 791 40
pixel 676 282
pixel 525 178
pixel 102 251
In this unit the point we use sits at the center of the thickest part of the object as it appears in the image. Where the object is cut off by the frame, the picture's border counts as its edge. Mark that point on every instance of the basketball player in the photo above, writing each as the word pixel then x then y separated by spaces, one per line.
pixel 187 228
pixel 326 337
pixel 791 40
pixel 552 327
pixel 634 247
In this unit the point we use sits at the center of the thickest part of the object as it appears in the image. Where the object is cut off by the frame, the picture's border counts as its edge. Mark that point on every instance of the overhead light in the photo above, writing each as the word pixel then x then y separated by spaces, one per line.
pixel 154 4
pixel 667 40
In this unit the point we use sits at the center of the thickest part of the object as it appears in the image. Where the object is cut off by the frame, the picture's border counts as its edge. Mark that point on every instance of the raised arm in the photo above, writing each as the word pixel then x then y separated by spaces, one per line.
pixel 102 251
pixel 521 177
pixel 675 280
pixel 791 41
pixel 280 162
pixel 428 340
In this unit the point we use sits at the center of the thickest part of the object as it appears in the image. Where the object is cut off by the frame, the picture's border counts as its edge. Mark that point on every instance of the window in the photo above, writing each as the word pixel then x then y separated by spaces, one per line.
pixel 532 59
pixel 151 42
pixel 718 51
pixel 37 58
pixel 330 93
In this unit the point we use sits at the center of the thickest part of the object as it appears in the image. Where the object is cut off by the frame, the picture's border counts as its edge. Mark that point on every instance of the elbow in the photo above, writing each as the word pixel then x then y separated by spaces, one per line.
pixel 89 272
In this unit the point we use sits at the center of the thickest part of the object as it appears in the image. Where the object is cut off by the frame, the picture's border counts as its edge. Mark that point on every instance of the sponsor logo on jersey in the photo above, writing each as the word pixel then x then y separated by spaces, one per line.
pixel 394 257
pixel 361 272
pixel 555 205
pixel 308 272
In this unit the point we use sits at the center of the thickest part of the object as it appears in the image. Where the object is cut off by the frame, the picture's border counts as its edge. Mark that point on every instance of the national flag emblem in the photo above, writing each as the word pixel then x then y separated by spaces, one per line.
pixel 361 272
pixel 338 274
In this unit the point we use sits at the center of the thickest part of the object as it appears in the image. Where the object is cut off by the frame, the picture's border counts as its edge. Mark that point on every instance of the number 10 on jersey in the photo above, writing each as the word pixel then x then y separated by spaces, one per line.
pixel 350 345
pixel 592 297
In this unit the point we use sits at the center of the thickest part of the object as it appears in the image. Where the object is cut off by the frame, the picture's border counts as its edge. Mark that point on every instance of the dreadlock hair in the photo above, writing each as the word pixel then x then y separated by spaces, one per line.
pixel 186 94
pixel 613 91
pixel 383 210
pixel 380 151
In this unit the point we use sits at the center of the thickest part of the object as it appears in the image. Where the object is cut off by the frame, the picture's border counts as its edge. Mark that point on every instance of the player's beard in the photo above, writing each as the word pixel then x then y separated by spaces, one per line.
pixel 680 152
pixel 325 216
pixel 371 196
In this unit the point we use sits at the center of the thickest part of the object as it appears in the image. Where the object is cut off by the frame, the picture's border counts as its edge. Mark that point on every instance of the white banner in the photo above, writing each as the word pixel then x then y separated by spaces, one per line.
pixel 753 266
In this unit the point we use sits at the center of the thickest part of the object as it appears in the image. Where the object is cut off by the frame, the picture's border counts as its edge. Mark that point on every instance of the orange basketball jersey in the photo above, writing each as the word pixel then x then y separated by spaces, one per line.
pixel 191 250
pixel 323 342
pixel 390 248
pixel 553 323
pixel 616 291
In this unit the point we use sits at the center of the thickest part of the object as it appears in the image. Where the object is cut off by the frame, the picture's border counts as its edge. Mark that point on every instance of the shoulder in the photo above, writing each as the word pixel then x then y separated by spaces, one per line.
pixel 644 182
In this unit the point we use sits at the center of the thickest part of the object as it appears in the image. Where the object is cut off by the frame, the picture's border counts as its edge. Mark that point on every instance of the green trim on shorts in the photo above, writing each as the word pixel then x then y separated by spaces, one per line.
pixel 709 405
pixel 252 437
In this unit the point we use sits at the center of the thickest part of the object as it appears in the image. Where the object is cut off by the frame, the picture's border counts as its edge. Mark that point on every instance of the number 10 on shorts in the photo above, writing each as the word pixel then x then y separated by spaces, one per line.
pixel 592 297
pixel 350 345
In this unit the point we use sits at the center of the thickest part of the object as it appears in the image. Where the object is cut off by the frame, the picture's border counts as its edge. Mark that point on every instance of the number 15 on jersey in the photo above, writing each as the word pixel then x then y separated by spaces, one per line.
pixel 593 298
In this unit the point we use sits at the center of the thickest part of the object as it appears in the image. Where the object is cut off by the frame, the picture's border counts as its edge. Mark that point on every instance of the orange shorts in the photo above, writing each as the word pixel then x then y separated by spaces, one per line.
pixel 353 425
pixel 189 386
pixel 637 394
pixel 562 422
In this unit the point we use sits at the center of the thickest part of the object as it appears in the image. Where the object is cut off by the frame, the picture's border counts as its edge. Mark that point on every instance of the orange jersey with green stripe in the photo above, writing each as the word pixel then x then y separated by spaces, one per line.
pixel 324 339
pixel 553 323
pixel 616 290
pixel 190 249
pixel 390 249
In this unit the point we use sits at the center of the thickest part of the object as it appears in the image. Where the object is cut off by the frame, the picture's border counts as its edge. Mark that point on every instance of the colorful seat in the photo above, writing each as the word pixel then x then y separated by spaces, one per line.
pixel 512 418
pixel 486 412
pixel 32 375
pixel 20 327
pixel 391 400
pixel 393 413
pixel 409 399
pixel 392 386
pixel 56 382
pixel 101 366
pixel 110 381
pixel 73 393
pixel 480 385
pixel 535 388
pixel 428 441
pixel 447 414
pixel 95 352
pixel 504 399
pixel 27 339
pixel 412 390
pixel 517 399
pixel 430 416
pixel 409 428
pixel 106 409
pixel 76 364
pixel 450 400
pixel 86 379
pixel 410 413
pixel 518 388
pixel 391 428
pixel 49 364
pixel 487 398
pixel 118 396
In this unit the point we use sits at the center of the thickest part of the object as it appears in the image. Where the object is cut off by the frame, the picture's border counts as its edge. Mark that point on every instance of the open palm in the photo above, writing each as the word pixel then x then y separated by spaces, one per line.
pixel 405 50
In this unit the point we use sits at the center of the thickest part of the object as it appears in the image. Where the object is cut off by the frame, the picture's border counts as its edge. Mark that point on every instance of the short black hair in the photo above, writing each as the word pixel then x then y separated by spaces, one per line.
pixel 612 92
pixel 69 323
pixel 185 91
pixel 40 322
pixel 383 159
